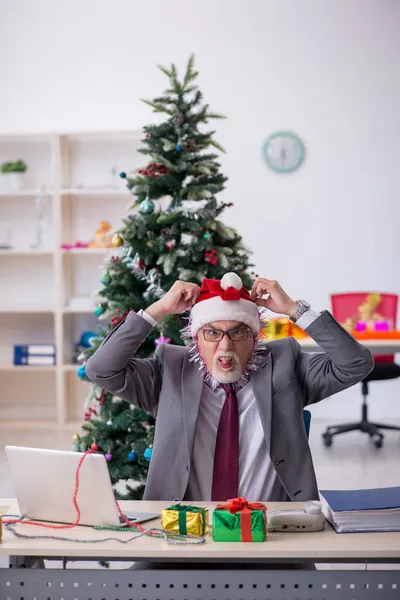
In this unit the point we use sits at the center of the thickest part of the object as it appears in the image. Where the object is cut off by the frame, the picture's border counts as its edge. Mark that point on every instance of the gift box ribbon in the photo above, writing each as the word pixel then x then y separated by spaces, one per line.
pixel 182 509
pixel 241 505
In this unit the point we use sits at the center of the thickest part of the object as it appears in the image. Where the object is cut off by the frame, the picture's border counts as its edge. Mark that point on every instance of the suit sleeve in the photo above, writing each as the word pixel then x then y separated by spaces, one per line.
pixel 114 367
pixel 343 362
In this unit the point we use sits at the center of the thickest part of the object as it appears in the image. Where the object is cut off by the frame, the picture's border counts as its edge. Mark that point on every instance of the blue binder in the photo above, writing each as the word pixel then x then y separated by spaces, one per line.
pixel 370 510
pixel 369 499
pixel 34 354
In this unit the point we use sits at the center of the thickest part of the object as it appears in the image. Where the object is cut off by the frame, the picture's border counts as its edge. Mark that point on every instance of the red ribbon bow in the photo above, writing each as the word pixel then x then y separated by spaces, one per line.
pixel 212 287
pixel 241 505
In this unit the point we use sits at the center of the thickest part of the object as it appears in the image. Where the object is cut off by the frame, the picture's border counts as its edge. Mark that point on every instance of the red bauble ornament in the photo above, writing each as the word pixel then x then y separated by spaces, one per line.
pixel 94 447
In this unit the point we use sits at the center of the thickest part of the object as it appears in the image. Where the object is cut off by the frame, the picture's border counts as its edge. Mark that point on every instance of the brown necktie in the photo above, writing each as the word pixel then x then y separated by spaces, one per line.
pixel 225 483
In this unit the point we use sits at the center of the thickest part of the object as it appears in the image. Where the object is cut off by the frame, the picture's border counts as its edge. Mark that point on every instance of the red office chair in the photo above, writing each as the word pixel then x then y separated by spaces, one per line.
pixel 344 306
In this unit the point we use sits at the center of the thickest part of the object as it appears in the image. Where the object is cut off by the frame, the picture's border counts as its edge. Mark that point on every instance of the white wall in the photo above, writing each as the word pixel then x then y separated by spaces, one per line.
pixel 326 70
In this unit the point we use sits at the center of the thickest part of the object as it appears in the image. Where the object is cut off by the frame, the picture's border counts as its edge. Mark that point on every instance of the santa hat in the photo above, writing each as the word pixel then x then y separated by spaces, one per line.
pixel 225 300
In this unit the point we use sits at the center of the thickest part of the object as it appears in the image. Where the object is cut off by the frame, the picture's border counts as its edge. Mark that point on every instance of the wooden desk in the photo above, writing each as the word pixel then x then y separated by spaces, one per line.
pixel 325 546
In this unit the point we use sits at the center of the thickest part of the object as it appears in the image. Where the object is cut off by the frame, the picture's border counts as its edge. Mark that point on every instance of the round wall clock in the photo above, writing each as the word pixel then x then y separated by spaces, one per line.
pixel 283 151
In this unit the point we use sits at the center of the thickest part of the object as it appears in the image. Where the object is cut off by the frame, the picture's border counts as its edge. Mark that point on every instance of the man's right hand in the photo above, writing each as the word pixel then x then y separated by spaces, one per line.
pixel 179 298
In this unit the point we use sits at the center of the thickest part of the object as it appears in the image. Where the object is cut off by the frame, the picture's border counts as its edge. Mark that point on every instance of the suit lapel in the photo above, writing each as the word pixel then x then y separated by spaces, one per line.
pixel 261 382
pixel 191 386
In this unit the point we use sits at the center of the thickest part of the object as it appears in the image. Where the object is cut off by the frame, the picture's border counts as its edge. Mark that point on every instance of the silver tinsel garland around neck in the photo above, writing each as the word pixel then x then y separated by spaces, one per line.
pixel 257 356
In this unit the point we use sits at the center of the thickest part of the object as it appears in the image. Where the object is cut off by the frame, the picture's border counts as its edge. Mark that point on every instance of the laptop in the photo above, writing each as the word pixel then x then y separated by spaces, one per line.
pixel 44 483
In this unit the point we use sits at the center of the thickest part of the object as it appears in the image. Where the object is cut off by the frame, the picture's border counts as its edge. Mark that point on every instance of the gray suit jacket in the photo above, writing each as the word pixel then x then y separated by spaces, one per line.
pixel 169 387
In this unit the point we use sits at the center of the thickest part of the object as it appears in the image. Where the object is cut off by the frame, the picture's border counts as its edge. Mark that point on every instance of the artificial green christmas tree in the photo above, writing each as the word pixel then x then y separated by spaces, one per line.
pixel 154 248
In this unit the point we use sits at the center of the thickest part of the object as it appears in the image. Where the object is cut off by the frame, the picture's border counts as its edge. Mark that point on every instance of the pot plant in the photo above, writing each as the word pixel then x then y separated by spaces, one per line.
pixel 12 174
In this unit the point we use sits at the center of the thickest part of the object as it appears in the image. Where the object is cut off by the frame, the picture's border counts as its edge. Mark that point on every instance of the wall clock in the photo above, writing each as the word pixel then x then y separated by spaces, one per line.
pixel 283 151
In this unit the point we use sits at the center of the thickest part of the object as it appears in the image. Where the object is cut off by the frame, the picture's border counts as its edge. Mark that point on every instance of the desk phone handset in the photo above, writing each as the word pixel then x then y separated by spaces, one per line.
pixel 309 519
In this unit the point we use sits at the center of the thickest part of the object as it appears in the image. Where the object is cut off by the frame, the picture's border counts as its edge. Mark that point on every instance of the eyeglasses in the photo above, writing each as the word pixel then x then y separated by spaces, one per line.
pixel 238 334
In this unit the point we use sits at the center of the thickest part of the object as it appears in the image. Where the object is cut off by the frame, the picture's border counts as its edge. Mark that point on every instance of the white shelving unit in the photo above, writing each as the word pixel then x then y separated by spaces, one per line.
pixel 80 172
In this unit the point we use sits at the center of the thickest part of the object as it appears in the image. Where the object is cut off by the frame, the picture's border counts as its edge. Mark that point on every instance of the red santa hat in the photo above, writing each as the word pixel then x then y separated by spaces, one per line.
pixel 225 300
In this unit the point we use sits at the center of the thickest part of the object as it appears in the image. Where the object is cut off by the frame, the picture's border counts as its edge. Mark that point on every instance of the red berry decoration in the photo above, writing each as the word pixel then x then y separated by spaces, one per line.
pixel 211 256
pixel 154 170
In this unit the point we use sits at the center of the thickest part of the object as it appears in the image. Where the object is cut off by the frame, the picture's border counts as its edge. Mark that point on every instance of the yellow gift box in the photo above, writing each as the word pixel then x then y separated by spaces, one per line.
pixel 277 329
pixel 185 519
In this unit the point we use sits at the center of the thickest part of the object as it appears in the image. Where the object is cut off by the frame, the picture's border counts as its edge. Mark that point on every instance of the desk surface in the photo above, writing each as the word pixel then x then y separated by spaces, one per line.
pixel 321 546
pixel 376 346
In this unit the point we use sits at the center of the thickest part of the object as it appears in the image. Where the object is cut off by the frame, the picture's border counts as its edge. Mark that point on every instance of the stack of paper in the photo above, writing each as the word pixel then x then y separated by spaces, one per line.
pixel 362 510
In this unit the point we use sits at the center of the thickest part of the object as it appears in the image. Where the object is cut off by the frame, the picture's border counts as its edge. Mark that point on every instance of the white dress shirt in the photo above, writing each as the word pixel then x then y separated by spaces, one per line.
pixel 258 480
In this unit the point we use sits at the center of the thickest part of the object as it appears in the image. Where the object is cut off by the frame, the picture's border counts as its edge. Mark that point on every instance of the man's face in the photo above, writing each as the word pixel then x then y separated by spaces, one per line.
pixel 225 358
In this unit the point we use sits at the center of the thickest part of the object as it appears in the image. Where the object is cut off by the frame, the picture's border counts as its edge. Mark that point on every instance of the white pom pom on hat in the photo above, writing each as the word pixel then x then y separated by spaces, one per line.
pixel 225 300
pixel 231 280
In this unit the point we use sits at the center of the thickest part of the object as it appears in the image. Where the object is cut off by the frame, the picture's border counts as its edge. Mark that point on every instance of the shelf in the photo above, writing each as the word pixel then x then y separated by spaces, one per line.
pixel 24 193
pixel 82 311
pixel 26 309
pixel 68 192
pixel 95 192
pixel 26 252
pixel 28 368
pixel 87 251
pixel 103 136
pixel 30 138
pixel 14 424
pixel 73 426
pixel 83 188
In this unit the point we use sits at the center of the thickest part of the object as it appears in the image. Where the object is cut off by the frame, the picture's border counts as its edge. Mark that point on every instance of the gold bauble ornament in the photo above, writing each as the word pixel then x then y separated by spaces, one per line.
pixel 117 240
pixel 76 437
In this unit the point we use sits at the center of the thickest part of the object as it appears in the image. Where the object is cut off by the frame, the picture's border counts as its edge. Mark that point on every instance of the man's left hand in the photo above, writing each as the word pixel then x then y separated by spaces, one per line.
pixel 277 301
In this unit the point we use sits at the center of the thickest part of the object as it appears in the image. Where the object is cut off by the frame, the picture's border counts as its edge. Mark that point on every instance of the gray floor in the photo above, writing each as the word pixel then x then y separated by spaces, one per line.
pixel 351 462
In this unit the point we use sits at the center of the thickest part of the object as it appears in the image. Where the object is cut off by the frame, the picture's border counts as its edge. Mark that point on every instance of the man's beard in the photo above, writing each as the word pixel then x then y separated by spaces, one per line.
pixel 229 374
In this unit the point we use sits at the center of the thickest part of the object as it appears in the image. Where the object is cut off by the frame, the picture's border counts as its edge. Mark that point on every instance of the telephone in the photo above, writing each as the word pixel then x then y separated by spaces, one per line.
pixel 298 520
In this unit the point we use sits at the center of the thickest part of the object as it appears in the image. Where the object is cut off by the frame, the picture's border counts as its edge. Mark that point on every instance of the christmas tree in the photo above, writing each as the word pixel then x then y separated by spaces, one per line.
pixel 154 248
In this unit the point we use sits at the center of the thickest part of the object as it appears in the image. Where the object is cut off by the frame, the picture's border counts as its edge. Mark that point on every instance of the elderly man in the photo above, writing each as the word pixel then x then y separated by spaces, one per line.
pixel 229 408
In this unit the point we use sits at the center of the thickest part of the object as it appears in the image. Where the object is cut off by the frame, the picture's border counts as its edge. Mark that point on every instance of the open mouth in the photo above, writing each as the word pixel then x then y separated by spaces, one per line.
pixel 226 362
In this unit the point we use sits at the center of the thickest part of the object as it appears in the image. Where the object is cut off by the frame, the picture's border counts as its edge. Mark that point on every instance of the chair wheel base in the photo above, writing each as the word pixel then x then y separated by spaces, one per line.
pixel 369 428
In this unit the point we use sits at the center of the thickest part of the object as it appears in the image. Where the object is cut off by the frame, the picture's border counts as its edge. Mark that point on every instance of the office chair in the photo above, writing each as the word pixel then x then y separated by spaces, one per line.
pixel 343 306
pixel 307 422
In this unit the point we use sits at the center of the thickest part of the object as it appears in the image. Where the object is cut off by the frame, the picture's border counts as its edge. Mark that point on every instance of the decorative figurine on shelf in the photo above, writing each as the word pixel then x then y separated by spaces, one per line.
pixel 102 237
pixel 367 318
pixel 40 203
pixel 77 244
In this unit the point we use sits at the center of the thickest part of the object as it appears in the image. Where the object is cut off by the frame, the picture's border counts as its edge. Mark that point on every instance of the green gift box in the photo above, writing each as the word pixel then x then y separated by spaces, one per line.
pixel 240 521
